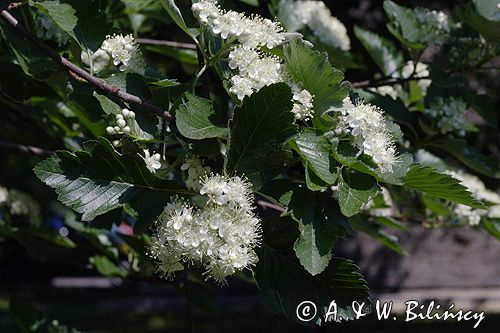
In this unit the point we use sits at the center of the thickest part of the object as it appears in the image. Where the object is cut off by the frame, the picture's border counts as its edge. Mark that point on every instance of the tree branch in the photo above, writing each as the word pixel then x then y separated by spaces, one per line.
pixel 386 82
pixel 78 72
pixel 16 147
pixel 147 41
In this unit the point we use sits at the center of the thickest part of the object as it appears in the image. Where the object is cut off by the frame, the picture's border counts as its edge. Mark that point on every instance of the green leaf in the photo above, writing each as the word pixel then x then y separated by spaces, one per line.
pixel 165 83
pixel 427 180
pixel 32 61
pixel 108 105
pixel 363 224
pixel 176 15
pixel 346 155
pixel 488 29
pixel 106 267
pixel 84 21
pixel 195 119
pixel 313 182
pixel 320 224
pixel 383 51
pixel 489 9
pixel 99 179
pixel 259 130
pixel 469 156
pixel 62 14
pixel 315 150
pixel 492 226
pixel 355 190
pixel 404 25
pixel 284 283
pixel 313 71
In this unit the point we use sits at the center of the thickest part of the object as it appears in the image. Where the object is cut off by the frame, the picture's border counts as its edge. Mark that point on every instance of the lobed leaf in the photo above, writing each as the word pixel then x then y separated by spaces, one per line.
pixel 313 71
pixel 195 119
pixel 99 179
pixel 259 131
pixel 439 185
pixel 284 283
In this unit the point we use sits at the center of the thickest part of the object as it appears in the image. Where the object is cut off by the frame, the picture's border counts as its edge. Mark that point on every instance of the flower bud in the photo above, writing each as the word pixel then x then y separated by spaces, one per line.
pixel 122 123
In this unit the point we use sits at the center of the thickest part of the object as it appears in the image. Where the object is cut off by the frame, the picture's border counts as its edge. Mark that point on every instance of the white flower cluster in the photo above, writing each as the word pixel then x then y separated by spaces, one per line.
pixel 420 70
pixel 251 32
pixel 436 25
pixel 221 235
pixel 121 126
pixel 152 161
pixel 450 114
pixel 256 70
pixel 195 171
pixel 479 191
pixel 46 29
pixel 367 124
pixel 317 16
pixel 409 69
pixel 122 50
pixel 303 104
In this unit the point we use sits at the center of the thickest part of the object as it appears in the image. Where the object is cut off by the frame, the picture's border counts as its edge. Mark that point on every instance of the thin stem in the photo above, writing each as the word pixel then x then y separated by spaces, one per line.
pixel 198 75
pixel 25 149
pixel 179 45
pixel 379 83
pixel 80 72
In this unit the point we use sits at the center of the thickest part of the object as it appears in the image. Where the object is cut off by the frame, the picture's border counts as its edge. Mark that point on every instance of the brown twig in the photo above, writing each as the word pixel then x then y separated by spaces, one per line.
pixel 386 82
pixel 147 41
pixel 76 71
pixel 25 149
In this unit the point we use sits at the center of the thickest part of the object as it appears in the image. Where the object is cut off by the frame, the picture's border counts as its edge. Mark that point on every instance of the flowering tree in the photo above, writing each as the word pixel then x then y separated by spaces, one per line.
pixel 259 155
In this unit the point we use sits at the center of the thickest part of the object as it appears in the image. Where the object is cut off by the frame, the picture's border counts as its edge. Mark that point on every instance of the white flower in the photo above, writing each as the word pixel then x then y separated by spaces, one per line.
pixel 450 114
pixel 264 71
pixel 221 235
pixel 317 16
pixel 367 124
pixel 4 194
pixel 206 11
pixel 479 191
pixel 241 58
pixel 124 52
pixel 261 32
pixel 152 161
pixel 386 91
pixel 303 105
pixel 418 71
pixel 472 216
pixel 252 32
pixel 229 24
pixel 241 87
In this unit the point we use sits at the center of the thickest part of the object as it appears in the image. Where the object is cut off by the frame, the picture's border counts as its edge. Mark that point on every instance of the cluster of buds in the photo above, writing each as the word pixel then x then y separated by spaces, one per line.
pixel 121 126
